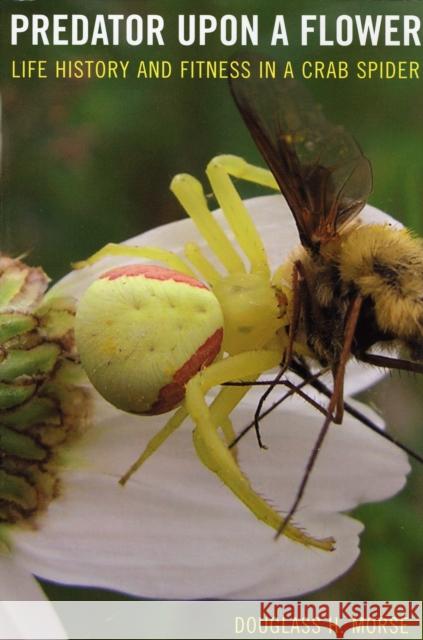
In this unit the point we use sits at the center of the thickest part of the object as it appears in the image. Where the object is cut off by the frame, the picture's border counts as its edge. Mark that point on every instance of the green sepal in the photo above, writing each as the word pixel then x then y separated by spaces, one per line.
pixel 57 317
pixel 15 324
pixel 14 395
pixel 21 286
pixel 19 362
pixel 11 284
pixel 16 489
pixel 37 410
pixel 42 405
pixel 69 372
pixel 20 445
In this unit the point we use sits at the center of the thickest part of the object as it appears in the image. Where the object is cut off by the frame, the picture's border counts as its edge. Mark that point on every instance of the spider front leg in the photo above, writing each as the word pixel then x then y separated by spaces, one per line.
pixel 218 172
pixel 191 195
pixel 111 249
pixel 214 452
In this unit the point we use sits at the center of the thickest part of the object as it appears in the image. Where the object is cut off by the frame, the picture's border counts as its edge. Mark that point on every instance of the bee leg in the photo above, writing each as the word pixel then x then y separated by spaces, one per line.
pixel 293 389
pixel 297 389
pixel 301 369
pixel 293 328
pixel 350 326
pixel 339 413
pixel 391 363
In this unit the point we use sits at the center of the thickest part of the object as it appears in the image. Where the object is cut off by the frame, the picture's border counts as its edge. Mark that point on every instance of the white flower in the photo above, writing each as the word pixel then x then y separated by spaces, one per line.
pixel 175 531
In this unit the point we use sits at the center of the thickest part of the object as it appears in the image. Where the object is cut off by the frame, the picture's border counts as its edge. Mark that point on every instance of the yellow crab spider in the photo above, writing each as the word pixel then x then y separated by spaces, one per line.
pixel 256 313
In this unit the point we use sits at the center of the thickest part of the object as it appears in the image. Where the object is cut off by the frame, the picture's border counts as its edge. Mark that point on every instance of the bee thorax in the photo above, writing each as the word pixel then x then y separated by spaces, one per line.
pixel 386 267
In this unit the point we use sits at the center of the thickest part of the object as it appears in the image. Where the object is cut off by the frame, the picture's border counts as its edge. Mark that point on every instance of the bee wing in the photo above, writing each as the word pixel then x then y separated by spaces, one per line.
pixel 319 167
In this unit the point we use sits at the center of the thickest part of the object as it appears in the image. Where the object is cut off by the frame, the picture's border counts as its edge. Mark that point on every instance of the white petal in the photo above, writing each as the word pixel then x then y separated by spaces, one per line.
pixel 112 445
pixel 360 376
pixel 182 534
pixel 151 543
pixel 371 215
pixel 24 613
pixel 353 467
pixel 16 582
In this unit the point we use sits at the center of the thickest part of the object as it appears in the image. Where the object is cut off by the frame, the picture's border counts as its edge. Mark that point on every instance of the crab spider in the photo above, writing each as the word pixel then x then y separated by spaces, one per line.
pixel 257 312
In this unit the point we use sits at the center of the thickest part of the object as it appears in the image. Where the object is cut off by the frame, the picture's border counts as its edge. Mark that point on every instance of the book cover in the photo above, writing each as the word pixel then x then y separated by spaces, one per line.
pixel 103 103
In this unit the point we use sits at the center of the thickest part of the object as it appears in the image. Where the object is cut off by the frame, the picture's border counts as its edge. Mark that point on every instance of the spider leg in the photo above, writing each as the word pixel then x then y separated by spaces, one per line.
pixel 189 192
pixel 215 455
pixel 229 434
pixel 237 167
pixel 293 328
pixel 218 172
pixel 199 261
pixel 221 407
pixel 151 253
pixel 156 441
pixel 350 326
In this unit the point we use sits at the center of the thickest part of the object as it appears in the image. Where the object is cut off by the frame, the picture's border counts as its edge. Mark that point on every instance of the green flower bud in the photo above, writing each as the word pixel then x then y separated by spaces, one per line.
pixel 42 404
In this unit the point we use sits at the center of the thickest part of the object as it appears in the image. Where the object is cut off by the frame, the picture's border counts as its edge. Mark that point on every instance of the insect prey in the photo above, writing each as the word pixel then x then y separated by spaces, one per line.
pixel 354 285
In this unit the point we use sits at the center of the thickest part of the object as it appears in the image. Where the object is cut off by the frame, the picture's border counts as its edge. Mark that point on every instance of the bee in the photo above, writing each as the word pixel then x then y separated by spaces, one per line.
pixel 354 285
